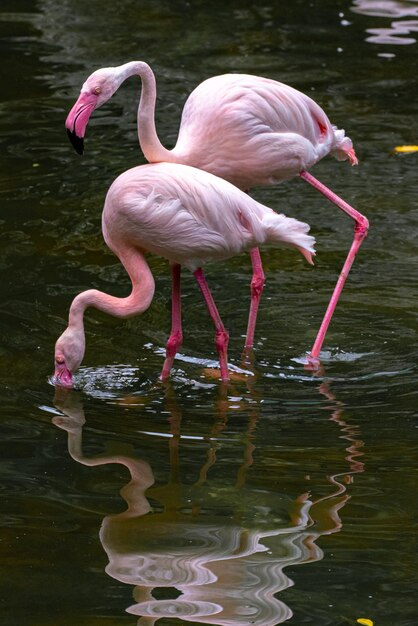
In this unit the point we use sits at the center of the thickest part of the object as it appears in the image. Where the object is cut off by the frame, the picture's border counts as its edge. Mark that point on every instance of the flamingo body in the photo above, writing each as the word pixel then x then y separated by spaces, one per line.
pixel 189 217
pixel 255 131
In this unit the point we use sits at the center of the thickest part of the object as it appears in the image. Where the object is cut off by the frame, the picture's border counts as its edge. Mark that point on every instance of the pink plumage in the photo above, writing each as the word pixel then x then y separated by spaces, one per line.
pixel 255 131
pixel 246 129
pixel 192 218
pixel 189 217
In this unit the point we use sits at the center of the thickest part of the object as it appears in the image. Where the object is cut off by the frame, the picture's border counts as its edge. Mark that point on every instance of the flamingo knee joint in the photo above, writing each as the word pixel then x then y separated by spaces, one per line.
pixel 257 285
pixel 173 343
pixel 362 226
pixel 221 340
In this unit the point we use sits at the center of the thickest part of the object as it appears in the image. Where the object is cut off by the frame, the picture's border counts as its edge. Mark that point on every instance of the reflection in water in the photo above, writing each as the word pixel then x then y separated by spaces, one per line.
pixel 224 571
pixel 395 34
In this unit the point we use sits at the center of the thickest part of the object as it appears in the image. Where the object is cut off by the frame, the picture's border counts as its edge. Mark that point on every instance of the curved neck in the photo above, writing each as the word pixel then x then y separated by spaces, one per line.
pixel 138 300
pixel 141 474
pixel 151 146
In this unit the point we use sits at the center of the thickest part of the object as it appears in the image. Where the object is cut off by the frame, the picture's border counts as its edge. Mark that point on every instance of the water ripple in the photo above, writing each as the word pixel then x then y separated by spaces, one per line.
pixel 396 33
pixel 227 569
pixel 385 8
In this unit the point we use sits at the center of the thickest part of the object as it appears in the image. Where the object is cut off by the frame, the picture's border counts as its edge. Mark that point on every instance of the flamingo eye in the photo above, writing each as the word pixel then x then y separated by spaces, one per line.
pixel 97 90
pixel 59 360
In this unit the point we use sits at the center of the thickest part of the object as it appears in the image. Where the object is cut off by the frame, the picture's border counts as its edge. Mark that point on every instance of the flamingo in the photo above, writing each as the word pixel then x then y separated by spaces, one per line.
pixel 188 216
pixel 246 129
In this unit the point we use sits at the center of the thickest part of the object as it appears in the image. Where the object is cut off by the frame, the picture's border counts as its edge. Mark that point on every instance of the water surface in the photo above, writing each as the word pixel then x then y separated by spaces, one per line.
pixel 285 496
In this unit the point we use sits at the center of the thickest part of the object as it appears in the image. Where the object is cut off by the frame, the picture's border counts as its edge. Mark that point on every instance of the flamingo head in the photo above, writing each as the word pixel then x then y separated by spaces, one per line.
pixel 69 352
pixel 98 89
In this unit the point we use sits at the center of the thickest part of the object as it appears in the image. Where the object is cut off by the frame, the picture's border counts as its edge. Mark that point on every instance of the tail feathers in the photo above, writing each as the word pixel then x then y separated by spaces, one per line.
pixel 290 232
pixel 342 148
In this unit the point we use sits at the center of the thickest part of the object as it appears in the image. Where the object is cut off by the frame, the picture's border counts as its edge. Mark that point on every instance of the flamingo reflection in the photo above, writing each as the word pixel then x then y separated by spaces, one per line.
pixel 225 569
pixel 396 32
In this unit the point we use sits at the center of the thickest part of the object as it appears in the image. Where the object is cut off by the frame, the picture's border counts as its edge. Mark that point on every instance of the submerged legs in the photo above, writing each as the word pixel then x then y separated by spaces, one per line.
pixel 221 336
pixel 257 285
pixel 360 233
pixel 176 336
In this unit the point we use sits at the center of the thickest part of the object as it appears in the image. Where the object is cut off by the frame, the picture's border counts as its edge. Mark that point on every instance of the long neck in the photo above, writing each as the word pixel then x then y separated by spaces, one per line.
pixel 138 300
pixel 151 146
pixel 141 474
pixel 140 471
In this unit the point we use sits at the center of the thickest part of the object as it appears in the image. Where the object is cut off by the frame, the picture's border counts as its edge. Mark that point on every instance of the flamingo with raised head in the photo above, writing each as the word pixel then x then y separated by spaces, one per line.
pixel 246 129
pixel 188 216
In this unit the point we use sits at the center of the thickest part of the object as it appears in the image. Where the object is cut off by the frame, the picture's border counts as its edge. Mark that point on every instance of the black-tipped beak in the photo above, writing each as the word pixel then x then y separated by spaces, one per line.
pixel 77 142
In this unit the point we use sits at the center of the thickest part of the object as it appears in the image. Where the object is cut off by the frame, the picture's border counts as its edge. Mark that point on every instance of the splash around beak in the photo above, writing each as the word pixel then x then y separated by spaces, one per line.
pixel 78 118
pixel 62 375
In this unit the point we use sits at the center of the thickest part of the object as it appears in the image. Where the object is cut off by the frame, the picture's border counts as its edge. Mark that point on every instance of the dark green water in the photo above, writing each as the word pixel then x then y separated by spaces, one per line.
pixel 283 496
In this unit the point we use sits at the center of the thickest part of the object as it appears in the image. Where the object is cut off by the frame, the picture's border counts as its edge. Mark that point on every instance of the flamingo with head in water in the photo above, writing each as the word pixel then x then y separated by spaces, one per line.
pixel 246 129
pixel 188 216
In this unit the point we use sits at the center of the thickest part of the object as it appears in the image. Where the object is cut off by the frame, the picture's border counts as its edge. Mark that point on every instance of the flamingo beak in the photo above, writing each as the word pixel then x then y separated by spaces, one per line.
pixel 78 118
pixel 62 375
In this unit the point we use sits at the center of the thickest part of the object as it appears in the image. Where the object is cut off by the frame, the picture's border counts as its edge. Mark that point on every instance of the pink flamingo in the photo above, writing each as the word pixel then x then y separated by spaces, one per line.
pixel 188 216
pixel 246 129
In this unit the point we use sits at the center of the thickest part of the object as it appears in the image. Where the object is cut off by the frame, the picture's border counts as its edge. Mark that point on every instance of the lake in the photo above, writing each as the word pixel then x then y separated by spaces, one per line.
pixel 286 495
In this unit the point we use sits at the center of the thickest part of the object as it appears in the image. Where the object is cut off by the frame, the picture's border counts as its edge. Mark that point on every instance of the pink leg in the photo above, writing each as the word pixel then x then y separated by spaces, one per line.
pixel 257 285
pixel 176 336
pixel 360 232
pixel 221 336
